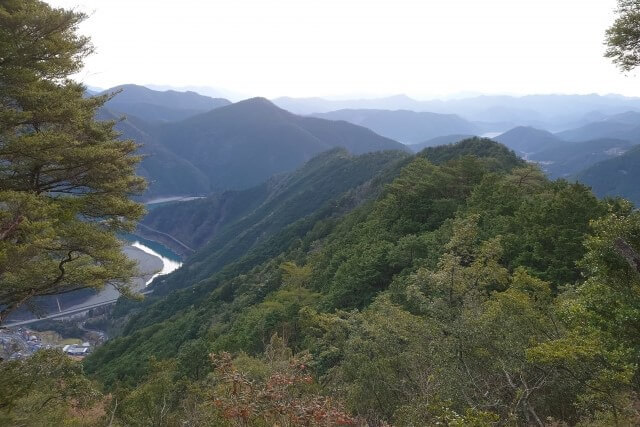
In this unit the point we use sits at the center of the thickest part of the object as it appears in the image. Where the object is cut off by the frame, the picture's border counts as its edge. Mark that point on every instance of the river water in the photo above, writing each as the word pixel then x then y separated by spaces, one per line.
pixel 171 261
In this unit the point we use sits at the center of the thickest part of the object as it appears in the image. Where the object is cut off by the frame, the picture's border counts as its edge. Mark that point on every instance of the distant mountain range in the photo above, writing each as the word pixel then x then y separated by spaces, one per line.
pixel 592 150
pixel 551 112
pixel 525 139
pixel 408 127
pixel 570 158
pixel 620 126
pixel 156 106
pixel 228 146
pixel 196 145
pixel 243 144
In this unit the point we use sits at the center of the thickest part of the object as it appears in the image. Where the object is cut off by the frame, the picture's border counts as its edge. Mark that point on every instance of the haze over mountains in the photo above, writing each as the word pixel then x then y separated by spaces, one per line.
pixel 618 176
pixel 566 154
pixel 196 145
pixel 228 146
pixel 155 106
pixel 553 112
pixel 406 126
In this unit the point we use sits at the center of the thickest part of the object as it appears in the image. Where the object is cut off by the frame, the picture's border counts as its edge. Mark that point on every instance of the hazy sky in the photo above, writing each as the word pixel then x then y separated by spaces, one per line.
pixel 354 47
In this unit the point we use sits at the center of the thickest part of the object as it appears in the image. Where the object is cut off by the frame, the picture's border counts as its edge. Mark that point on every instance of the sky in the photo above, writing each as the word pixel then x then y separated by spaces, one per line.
pixel 364 48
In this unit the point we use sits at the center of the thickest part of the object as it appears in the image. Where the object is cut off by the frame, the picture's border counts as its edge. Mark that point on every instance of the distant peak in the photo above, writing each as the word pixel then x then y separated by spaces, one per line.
pixel 255 104
pixel 400 97
pixel 256 100
pixel 527 130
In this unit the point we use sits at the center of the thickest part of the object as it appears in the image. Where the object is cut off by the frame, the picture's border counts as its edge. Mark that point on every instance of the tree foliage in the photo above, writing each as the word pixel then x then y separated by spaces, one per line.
pixel 623 37
pixel 65 178
pixel 47 389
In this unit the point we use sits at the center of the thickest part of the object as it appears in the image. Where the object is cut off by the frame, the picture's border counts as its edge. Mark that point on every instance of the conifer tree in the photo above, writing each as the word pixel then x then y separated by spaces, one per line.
pixel 65 178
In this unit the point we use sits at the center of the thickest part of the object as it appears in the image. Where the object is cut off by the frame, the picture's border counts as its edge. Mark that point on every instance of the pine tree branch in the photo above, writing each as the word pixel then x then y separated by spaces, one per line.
pixel 9 228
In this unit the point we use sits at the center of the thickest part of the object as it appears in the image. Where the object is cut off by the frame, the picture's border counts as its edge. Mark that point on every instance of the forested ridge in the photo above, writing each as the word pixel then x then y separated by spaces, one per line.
pixel 471 291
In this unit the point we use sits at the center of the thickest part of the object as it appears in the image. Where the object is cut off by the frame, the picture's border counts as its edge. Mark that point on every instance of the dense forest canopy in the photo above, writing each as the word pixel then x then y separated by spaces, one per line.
pixel 473 290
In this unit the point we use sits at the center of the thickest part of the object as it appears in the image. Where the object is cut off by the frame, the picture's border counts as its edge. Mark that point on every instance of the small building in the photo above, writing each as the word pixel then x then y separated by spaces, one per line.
pixel 76 350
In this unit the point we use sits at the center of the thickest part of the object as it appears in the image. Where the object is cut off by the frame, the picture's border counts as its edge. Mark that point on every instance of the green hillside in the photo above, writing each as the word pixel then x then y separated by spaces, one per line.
pixel 324 274
pixel 497 156
pixel 230 223
pixel 439 140
pixel 452 272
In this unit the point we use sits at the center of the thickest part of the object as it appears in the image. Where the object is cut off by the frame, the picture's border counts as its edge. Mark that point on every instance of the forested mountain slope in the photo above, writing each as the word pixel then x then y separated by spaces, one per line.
pixel 456 284
pixel 496 157
pixel 245 228
pixel 437 207
pixel 454 272
pixel 248 215
pixel 167 174
pixel 440 140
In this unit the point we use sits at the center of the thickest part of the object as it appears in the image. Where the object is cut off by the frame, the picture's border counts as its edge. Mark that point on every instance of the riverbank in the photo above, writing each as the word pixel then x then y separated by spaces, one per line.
pixel 149 264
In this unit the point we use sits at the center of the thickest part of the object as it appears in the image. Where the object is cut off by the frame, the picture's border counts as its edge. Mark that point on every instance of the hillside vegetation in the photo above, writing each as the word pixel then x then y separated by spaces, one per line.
pixel 231 216
pixel 334 278
pixel 470 282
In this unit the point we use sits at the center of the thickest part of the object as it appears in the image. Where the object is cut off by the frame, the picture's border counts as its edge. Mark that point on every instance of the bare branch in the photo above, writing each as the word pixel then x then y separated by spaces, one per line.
pixel 628 253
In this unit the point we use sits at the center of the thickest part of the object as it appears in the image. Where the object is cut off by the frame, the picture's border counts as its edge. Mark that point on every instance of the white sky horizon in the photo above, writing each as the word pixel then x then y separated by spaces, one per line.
pixel 426 49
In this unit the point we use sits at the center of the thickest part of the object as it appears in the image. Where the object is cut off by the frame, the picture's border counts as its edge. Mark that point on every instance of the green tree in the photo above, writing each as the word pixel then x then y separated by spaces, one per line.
pixel 65 178
pixel 154 402
pixel 48 388
pixel 623 37
pixel 601 350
